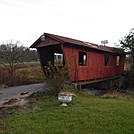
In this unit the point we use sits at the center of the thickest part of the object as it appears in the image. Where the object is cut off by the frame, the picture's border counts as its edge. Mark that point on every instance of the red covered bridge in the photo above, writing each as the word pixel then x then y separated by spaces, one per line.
pixel 88 61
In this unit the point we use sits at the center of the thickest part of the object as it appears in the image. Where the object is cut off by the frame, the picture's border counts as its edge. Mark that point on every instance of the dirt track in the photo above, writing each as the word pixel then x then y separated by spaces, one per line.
pixel 20 92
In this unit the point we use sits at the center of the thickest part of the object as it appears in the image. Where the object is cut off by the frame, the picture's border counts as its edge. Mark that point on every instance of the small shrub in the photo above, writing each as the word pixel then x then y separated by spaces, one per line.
pixel 56 77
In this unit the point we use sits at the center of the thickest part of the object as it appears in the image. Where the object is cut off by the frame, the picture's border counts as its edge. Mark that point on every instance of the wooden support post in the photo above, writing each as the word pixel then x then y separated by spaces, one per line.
pixel 79 87
pixel 76 86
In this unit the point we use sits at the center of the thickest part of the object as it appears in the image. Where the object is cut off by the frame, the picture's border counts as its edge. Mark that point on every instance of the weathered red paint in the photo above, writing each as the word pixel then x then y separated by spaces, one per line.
pixel 94 68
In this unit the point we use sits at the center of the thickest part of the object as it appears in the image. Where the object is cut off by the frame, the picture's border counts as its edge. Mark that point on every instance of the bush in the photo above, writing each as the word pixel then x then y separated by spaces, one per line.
pixel 56 77
pixel 129 79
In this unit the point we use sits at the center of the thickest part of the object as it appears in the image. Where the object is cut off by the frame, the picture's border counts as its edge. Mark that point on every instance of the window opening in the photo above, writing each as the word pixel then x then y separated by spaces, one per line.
pixel 58 59
pixel 106 60
pixel 82 58
pixel 117 60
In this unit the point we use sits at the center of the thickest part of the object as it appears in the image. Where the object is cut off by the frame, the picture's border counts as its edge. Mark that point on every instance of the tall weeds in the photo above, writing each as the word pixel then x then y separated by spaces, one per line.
pixel 22 76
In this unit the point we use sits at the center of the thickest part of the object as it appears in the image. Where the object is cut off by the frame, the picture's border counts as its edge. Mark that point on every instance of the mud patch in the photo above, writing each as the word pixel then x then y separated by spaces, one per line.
pixel 12 101
pixel 24 93
pixel 11 105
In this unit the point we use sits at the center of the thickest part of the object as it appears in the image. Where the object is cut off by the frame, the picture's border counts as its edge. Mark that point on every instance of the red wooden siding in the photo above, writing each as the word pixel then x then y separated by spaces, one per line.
pixel 94 68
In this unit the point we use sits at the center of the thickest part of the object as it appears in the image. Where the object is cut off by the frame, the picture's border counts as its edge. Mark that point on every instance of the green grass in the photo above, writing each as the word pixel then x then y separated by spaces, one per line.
pixel 84 115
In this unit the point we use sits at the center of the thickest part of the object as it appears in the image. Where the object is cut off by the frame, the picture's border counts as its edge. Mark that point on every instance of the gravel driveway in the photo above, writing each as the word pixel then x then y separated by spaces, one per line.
pixel 19 92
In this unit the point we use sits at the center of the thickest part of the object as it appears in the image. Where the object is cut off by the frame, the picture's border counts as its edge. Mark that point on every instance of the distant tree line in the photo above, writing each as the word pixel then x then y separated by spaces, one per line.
pixel 29 55
pixel 14 51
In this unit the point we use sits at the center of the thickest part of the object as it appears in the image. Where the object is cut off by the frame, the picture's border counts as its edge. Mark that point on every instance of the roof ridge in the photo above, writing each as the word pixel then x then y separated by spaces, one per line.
pixel 72 39
pixel 63 39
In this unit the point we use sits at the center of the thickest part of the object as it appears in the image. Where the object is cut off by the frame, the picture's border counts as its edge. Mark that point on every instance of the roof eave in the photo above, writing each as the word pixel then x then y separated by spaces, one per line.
pixel 46 34
pixel 33 45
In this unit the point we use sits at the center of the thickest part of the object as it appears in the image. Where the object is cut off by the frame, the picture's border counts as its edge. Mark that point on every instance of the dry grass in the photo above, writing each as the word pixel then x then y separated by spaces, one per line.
pixel 28 73
pixel 117 94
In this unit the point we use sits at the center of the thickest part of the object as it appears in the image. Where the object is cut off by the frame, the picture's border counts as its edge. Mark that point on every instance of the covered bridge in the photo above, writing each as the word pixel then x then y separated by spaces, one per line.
pixel 89 62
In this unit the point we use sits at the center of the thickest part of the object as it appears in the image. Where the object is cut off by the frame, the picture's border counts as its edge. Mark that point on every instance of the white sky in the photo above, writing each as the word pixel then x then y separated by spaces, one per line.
pixel 86 20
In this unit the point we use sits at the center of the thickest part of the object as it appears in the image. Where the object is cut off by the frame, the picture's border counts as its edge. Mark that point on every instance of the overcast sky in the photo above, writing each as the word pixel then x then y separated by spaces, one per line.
pixel 86 20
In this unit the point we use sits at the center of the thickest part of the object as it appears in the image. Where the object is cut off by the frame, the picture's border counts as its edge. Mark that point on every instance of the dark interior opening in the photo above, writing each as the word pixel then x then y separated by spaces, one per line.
pixel 82 58
pixel 51 54
pixel 58 59
pixel 106 60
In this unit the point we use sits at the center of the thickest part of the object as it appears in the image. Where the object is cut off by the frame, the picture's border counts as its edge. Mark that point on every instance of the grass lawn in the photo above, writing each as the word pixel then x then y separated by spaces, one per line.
pixel 84 115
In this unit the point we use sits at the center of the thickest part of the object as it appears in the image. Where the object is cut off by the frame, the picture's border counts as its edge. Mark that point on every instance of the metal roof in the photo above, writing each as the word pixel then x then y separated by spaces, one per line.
pixel 76 42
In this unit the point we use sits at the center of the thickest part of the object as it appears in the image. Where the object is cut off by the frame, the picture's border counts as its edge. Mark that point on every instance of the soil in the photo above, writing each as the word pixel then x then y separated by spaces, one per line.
pixel 11 105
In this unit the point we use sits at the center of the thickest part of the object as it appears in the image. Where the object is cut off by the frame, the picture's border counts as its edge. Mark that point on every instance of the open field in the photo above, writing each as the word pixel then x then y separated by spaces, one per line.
pixel 27 73
pixel 84 115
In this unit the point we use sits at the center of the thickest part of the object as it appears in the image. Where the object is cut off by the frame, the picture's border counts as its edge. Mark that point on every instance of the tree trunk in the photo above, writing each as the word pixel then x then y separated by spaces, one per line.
pixel 133 62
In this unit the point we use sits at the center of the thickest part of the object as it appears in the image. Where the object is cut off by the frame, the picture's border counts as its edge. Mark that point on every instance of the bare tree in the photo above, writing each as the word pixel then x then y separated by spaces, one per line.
pixel 11 53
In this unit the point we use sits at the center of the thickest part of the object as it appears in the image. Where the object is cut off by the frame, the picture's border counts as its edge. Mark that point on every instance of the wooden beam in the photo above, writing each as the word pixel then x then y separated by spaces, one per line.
pixel 95 81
